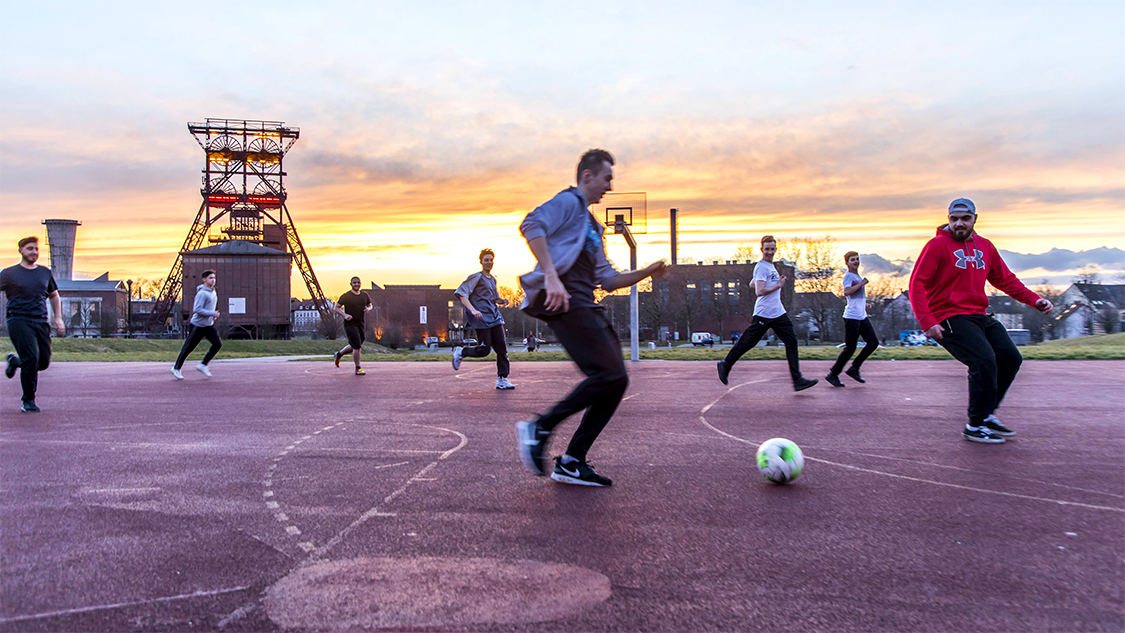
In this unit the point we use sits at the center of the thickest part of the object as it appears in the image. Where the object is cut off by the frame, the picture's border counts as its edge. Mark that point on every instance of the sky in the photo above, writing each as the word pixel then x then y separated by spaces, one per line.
pixel 428 130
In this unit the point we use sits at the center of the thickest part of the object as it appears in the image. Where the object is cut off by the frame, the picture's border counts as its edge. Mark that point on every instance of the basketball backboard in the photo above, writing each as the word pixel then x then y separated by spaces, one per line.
pixel 632 205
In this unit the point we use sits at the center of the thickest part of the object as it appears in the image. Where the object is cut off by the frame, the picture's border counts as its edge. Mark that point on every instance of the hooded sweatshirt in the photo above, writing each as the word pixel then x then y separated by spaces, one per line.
pixel 203 308
pixel 948 278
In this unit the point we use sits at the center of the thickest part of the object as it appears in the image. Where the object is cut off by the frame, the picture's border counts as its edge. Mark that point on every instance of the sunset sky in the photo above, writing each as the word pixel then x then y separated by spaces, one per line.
pixel 429 129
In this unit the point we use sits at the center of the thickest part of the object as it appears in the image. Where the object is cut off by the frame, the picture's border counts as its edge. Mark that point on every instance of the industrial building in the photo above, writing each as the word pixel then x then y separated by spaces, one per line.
pixel 253 285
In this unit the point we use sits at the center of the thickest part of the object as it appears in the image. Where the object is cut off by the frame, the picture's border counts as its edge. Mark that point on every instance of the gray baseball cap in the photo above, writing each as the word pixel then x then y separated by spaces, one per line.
pixel 963 204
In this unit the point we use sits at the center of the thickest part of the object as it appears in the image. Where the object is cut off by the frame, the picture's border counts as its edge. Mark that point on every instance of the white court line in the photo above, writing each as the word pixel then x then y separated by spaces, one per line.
pixel 896 476
pixel 376 510
pixel 104 607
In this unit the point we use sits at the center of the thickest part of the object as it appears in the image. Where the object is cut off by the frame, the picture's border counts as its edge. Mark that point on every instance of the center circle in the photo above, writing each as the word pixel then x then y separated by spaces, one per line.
pixel 379 593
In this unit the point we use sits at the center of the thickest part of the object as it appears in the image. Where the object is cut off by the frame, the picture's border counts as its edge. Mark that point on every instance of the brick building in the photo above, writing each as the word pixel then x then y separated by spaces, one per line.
pixel 253 286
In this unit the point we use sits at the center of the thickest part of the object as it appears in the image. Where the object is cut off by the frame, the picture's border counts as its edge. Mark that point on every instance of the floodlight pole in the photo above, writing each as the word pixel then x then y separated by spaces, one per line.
pixel 621 228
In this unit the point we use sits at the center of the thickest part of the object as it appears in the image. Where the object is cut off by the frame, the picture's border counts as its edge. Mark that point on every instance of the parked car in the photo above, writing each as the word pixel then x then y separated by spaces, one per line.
pixel 699 339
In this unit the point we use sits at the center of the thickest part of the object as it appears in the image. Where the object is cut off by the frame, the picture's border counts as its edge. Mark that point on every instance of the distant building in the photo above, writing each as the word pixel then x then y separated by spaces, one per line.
pixel 94 308
pixel 1088 308
pixel 305 317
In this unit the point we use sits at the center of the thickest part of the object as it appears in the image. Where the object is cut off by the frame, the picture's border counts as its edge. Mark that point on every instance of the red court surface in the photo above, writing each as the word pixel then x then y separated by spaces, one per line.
pixel 297 496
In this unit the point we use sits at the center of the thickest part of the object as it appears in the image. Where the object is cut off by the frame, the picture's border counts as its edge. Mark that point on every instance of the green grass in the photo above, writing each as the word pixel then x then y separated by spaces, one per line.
pixel 1107 347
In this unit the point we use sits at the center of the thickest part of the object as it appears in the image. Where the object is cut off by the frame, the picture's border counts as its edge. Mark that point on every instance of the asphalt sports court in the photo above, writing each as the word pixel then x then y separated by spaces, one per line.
pixel 297 496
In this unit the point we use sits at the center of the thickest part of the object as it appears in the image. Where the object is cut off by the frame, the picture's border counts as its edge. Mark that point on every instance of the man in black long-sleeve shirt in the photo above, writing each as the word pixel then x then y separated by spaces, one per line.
pixel 28 286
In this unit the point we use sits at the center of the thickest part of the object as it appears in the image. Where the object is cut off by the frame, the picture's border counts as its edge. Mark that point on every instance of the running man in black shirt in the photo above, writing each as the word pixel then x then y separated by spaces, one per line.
pixel 353 306
pixel 28 286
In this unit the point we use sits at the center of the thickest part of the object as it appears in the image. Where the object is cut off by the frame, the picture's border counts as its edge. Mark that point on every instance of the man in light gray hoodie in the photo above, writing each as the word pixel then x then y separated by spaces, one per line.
pixel 567 242
pixel 203 315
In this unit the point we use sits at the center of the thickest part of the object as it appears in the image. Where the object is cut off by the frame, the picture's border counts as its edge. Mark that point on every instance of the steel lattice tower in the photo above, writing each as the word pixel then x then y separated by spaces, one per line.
pixel 243 181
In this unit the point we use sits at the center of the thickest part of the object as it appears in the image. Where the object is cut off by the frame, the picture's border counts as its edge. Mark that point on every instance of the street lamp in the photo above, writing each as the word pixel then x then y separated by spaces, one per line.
pixel 129 311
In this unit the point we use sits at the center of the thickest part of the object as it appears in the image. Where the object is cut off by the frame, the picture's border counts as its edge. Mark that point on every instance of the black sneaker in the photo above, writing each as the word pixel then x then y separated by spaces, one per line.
pixel 981 434
pixel 996 428
pixel 28 406
pixel 13 365
pixel 803 384
pixel 579 474
pixel 532 441
pixel 854 373
pixel 724 372
pixel 834 379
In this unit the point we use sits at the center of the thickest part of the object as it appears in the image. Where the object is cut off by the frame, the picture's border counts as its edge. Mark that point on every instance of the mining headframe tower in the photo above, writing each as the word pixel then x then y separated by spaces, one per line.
pixel 243 182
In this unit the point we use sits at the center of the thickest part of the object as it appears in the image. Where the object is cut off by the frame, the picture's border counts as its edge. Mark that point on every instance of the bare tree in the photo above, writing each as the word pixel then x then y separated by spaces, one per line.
pixel 331 328
pixel 819 272
pixel 1088 274
pixel 1109 319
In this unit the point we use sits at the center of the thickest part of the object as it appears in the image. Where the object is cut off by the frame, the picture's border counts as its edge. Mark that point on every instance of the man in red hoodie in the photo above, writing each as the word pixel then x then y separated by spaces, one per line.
pixel 947 294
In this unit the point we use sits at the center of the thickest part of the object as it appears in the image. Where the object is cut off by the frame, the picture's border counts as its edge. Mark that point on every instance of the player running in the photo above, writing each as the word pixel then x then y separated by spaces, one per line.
pixel 856 324
pixel 769 314
pixel 567 242
pixel 479 296
pixel 203 315
pixel 353 306
pixel 28 286
pixel 947 294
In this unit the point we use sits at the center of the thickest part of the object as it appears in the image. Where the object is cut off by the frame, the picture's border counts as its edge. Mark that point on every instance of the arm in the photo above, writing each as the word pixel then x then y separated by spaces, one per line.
pixel 369 307
pixel 469 306
pixel 925 270
pixel 339 309
pixel 199 306
pixel 1000 276
pixel 763 288
pixel 557 296
pixel 854 288
pixel 626 279
pixel 56 309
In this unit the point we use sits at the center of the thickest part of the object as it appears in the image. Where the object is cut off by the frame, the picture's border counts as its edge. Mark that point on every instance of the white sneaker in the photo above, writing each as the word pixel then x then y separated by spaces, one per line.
pixel 203 370
pixel 457 351
pixel 177 374
pixel 502 383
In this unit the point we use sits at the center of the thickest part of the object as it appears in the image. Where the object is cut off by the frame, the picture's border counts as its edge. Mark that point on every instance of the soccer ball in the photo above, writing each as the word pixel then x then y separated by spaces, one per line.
pixel 780 460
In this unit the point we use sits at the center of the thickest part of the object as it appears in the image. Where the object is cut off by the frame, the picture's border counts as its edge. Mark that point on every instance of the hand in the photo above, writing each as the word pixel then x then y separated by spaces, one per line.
pixel 869 306
pixel 347 317
pixel 557 297
pixel 1044 306
pixel 217 314
pixel 368 308
pixel 60 327
pixel 781 281
pixel 865 281
pixel 477 314
pixel 656 270
pixel 935 332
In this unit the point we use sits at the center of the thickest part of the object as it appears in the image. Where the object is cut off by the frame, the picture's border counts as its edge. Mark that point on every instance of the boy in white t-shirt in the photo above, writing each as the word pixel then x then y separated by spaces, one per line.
pixel 856 324
pixel 769 314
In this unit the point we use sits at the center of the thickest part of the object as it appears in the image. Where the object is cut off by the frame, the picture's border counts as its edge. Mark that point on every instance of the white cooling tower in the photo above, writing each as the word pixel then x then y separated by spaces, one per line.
pixel 60 245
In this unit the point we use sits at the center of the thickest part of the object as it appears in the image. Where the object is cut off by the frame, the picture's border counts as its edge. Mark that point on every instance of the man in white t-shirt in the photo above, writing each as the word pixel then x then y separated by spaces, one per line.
pixel 769 314
pixel 856 324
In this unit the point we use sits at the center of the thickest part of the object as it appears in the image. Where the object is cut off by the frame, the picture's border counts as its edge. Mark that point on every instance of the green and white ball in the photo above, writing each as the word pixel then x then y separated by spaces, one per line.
pixel 780 460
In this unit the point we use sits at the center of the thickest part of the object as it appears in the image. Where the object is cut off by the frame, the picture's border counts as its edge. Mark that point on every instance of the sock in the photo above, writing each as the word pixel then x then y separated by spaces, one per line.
pixel 567 459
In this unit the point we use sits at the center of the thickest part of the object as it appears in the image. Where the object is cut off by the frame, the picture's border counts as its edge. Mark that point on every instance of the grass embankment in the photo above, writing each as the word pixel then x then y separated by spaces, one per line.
pixel 1107 347
pixel 138 350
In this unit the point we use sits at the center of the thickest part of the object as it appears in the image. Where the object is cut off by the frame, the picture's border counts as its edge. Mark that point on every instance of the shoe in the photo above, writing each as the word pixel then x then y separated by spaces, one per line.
pixel 13 365
pixel 532 441
pixel 336 359
pixel 803 384
pixel 724 372
pixel 854 373
pixel 359 371
pixel 28 406
pixel 502 383
pixel 981 434
pixel 203 370
pixel 177 374
pixel 834 379
pixel 996 428
pixel 457 352
pixel 578 473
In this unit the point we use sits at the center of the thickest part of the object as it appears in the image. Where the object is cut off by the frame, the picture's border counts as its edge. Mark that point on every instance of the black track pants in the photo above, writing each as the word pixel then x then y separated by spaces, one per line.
pixel 491 339
pixel 981 343
pixel 853 329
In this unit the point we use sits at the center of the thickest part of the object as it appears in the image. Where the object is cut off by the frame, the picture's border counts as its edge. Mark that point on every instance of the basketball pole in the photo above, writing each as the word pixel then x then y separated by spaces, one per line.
pixel 621 228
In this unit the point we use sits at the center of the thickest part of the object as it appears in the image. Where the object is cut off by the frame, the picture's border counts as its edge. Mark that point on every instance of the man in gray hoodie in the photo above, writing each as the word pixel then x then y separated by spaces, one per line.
pixel 567 242
pixel 203 315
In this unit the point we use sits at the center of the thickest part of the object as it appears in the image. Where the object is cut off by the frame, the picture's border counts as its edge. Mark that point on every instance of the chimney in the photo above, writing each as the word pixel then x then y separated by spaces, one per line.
pixel 60 245
pixel 672 218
